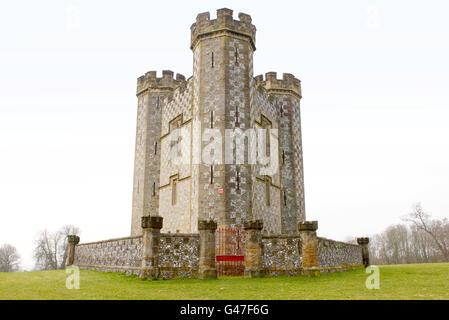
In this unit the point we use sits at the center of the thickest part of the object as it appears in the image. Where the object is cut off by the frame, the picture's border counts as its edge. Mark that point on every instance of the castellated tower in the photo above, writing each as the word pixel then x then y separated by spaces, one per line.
pixel 189 162
pixel 151 92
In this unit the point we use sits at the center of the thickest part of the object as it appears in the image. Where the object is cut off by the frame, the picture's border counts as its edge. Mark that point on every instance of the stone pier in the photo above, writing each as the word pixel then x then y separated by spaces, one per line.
pixel 309 247
pixel 207 269
pixel 151 231
pixel 253 249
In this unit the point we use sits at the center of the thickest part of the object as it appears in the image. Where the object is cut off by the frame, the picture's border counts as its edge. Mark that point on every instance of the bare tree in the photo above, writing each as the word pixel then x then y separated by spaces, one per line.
pixel 50 252
pixel 9 258
pixel 436 229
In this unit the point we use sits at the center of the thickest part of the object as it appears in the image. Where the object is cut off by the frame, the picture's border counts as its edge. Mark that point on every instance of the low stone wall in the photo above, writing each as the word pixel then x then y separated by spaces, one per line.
pixel 179 255
pixel 281 256
pixel 333 253
pixel 117 255
pixel 167 256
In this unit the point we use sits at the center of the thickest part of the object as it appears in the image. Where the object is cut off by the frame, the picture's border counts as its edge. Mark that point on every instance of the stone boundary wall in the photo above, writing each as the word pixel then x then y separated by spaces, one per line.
pixel 178 255
pixel 117 255
pixel 333 253
pixel 281 255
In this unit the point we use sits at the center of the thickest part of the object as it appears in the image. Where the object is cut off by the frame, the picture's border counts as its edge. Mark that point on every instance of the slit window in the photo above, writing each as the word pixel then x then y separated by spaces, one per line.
pixel 237 115
pixel 211 174
pixel 267 190
pixel 174 191
pixel 237 178
pixel 212 59
pixel 211 119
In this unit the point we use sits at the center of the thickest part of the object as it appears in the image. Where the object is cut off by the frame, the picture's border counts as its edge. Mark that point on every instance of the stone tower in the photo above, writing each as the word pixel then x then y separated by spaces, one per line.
pixel 222 73
pixel 151 92
pixel 201 121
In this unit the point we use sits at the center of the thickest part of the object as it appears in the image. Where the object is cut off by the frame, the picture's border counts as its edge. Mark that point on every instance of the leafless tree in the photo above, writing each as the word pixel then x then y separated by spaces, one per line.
pixel 436 229
pixel 50 252
pixel 423 239
pixel 9 258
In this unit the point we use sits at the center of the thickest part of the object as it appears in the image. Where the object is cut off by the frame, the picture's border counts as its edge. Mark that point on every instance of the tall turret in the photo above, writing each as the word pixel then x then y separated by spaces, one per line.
pixel 287 94
pixel 223 68
pixel 152 92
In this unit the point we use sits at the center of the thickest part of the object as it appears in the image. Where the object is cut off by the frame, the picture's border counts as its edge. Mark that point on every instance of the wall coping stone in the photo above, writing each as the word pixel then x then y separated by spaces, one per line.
pixel 109 240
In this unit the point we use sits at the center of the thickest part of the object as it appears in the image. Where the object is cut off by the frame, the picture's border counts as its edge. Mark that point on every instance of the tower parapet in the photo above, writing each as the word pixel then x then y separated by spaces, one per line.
pixel 288 84
pixel 167 81
pixel 204 27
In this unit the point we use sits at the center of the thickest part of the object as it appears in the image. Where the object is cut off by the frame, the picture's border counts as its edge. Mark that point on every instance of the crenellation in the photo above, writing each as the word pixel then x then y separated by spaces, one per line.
pixel 288 84
pixel 166 82
pixel 204 26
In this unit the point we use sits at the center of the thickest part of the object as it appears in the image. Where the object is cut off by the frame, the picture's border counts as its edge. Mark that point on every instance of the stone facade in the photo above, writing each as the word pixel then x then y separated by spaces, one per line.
pixel 178 255
pixel 333 253
pixel 176 115
pixel 122 255
pixel 282 253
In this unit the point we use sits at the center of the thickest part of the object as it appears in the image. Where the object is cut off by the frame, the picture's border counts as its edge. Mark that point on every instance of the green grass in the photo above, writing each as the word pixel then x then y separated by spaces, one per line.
pixel 419 281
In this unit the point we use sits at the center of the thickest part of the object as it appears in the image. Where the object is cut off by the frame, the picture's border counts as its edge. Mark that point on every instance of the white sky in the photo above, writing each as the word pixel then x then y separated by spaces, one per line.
pixel 375 78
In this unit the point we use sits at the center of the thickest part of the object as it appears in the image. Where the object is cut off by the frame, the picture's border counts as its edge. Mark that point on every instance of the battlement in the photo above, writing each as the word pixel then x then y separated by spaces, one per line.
pixel 288 83
pixel 167 81
pixel 225 22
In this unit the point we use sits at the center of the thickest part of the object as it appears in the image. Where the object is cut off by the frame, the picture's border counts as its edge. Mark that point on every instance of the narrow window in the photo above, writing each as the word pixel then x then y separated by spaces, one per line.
pixel 267 190
pixel 268 140
pixel 236 55
pixel 211 174
pixel 178 146
pixel 174 191
pixel 211 119
pixel 282 111
pixel 283 157
pixel 155 147
pixel 285 198
pixel 154 189
pixel 266 124
pixel 212 60
pixel 158 103
pixel 237 178
pixel 237 115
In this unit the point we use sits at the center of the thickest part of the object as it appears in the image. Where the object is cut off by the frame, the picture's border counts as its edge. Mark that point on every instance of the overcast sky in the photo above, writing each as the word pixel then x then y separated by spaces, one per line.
pixel 375 77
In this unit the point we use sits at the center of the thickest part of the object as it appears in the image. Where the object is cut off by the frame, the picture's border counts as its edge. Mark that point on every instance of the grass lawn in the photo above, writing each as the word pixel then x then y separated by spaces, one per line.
pixel 418 281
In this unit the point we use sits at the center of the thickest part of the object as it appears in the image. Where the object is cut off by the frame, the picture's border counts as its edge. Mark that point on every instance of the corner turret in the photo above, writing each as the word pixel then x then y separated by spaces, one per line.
pixel 288 84
pixel 167 81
